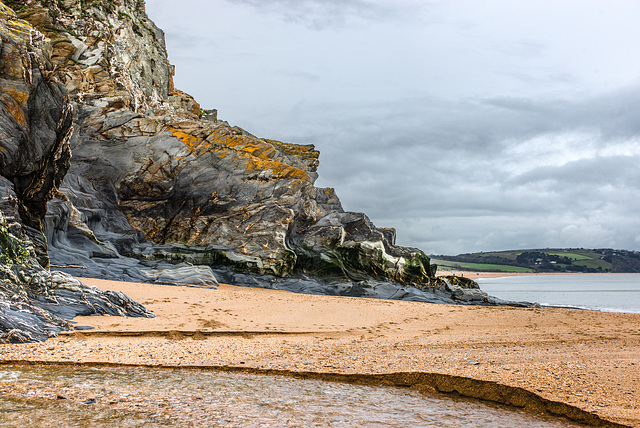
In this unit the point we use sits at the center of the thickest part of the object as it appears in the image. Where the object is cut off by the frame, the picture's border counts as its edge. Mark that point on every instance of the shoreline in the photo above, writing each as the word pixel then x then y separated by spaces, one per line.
pixel 585 360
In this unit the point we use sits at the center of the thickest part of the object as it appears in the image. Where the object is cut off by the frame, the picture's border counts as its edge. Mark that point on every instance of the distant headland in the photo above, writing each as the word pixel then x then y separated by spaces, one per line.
pixel 547 260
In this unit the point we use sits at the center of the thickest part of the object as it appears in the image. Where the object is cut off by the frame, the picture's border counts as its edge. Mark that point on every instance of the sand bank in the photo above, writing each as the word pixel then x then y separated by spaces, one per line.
pixel 588 360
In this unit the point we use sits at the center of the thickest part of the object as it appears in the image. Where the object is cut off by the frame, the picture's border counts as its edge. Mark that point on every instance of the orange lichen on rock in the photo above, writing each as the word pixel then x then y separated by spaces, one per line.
pixel 180 99
pixel 14 109
pixel 330 193
pixel 274 170
pixel 259 158
pixel 188 140
pixel 250 154
pixel 153 227
pixel 16 27
pixel 298 150
pixel 19 94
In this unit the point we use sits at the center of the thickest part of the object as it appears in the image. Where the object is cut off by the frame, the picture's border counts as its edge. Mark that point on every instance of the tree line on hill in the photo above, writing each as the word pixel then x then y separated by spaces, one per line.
pixel 591 261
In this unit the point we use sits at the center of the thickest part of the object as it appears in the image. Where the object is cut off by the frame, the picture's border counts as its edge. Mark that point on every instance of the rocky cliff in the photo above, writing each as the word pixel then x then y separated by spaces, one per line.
pixel 157 191
pixel 35 129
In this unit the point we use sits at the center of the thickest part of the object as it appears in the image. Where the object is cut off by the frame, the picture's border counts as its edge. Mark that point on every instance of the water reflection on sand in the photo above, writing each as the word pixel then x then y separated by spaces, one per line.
pixel 136 397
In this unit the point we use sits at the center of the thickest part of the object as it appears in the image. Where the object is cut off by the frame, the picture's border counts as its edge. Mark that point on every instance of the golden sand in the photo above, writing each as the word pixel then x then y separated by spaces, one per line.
pixel 586 359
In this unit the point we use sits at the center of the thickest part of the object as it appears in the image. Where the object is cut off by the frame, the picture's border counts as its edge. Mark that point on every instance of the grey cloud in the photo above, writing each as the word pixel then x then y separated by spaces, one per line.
pixel 616 171
pixel 458 171
pixel 300 75
pixel 411 124
pixel 483 129
pixel 536 78
pixel 613 113
pixel 522 48
pixel 331 14
pixel 441 170
pixel 453 235
pixel 187 42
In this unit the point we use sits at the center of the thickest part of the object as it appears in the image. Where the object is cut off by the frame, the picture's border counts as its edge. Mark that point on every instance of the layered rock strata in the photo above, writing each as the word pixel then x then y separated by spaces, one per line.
pixel 35 129
pixel 156 183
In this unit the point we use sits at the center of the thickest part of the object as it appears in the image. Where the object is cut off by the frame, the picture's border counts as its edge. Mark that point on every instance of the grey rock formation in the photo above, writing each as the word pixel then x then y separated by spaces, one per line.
pixel 35 303
pixel 159 190
pixel 35 127
pixel 145 193
pixel 447 291
pixel 35 124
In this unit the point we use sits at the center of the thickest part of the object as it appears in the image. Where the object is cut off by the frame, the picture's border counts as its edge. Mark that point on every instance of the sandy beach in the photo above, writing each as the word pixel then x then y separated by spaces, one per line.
pixel 545 357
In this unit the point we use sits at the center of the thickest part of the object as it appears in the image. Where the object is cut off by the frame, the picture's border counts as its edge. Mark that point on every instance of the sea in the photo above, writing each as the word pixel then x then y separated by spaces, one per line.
pixel 600 292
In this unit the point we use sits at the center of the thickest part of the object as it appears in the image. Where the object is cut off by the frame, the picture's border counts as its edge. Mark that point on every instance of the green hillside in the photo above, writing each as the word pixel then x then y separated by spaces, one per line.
pixel 544 260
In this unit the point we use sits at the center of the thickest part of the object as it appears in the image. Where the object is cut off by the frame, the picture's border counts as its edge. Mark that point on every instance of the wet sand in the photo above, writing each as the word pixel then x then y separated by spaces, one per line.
pixel 586 359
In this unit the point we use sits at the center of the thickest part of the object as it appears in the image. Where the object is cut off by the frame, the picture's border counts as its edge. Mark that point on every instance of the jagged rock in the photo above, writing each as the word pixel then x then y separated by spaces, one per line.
pixel 104 46
pixel 151 182
pixel 35 123
pixel 462 289
pixel 35 127
pixel 336 286
pixel 78 251
pixel 36 304
pixel 216 195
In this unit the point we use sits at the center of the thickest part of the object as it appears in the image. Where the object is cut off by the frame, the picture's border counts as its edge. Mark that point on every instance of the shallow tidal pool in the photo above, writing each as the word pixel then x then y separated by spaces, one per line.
pixel 143 397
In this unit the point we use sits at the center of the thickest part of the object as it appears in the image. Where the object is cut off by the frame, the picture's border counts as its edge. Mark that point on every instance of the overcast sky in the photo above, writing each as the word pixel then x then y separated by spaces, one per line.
pixel 467 125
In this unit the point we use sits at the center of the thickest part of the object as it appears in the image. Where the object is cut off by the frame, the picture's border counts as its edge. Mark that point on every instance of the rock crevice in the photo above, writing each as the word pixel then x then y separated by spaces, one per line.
pixel 35 129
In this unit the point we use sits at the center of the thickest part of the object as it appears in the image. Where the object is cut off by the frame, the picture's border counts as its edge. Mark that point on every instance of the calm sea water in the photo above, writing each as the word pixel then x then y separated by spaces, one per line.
pixel 142 397
pixel 614 293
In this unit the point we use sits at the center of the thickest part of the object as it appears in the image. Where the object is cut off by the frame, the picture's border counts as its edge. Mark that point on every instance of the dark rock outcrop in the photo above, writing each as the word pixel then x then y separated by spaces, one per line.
pixel 35 128
pixel 153 185
pixel 35 124
pixel 35 303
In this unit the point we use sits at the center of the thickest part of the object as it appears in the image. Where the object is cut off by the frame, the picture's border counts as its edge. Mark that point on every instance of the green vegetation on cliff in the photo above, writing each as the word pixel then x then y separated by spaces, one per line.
pixel 12 249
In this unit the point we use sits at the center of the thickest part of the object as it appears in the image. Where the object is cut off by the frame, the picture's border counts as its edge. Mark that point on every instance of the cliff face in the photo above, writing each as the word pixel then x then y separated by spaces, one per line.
pixel 35 128
pixel 100 47
pixel 35 123
pixel 155 187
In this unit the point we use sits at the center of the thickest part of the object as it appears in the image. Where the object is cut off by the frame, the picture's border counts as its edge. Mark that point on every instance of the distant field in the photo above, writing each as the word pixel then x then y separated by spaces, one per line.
pixel 586 258
pixel 593 264
pixel 449 265
pixel 572 256
pixel 509 255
